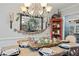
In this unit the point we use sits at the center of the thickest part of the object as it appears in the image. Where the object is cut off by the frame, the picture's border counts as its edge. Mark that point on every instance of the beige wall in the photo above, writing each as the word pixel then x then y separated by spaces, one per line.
pixel 5 31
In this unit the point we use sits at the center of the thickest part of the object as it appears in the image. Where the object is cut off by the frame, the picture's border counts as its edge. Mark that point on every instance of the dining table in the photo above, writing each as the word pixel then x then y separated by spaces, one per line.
pixel 56 50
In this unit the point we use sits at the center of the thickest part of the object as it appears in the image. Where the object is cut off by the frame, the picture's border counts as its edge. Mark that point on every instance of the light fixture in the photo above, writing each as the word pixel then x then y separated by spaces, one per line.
pixel 40 12
pixel 48 8
pixel 43 5
pixel 36 9
pixel 31 12
pixel 23 8
pixel 27 4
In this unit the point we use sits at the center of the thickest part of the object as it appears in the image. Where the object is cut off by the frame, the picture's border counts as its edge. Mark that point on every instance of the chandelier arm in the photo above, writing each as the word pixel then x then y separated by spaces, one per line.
pixel 28 11
pixel 43 11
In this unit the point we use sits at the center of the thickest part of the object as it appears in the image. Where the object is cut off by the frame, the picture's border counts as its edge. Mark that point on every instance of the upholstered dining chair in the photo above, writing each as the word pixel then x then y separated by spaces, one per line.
pixel 73 51
pixel 0 51
pixel 71 38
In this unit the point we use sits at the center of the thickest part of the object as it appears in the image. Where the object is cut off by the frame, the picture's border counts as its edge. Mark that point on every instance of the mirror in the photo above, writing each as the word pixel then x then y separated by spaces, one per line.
pixel 32 24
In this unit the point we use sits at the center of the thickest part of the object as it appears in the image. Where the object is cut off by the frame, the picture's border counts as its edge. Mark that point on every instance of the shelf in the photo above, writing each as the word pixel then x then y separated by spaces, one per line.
pixel 55 20
pixel 56 34
pixel 56 28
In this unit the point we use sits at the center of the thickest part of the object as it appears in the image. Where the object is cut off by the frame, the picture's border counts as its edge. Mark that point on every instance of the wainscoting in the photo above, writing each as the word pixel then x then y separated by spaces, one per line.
pixel 8 42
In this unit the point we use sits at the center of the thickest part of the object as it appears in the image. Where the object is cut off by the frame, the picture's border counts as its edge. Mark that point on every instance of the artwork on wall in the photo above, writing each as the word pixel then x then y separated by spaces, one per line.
pixel 31 24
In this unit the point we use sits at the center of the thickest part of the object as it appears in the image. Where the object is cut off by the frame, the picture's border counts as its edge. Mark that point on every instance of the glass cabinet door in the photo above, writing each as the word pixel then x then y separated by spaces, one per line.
pixel 71 30
pixel 71 27
pixel 77 29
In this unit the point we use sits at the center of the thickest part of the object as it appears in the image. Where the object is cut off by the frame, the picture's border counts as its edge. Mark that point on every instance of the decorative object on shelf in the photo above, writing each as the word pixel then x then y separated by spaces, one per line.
pixel 56 26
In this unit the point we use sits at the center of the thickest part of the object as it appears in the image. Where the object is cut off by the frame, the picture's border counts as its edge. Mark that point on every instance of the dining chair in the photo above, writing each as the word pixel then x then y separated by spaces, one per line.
pixel 73 51
pixel 0 51
pixel 71 38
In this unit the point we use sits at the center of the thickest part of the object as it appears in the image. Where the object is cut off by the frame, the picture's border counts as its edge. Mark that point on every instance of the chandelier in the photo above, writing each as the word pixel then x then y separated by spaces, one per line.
pixel 35 9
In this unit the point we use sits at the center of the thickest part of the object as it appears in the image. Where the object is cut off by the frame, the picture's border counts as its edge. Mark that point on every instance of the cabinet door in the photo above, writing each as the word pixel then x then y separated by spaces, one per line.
pixel 77 28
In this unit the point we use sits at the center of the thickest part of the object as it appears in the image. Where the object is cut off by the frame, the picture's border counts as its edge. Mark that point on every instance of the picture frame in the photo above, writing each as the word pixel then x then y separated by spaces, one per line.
pixel 35 23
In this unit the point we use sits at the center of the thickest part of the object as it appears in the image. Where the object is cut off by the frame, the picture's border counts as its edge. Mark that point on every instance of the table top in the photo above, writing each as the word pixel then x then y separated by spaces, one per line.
pixel 73 44
pixel 27 52
pixel 58 51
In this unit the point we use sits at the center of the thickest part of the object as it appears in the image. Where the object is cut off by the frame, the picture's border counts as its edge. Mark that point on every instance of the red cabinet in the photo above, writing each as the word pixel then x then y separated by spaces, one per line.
pixel 56 28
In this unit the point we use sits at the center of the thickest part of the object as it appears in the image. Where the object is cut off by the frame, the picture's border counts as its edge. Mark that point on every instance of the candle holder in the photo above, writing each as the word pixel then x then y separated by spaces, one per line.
pixel 11 15
pixel 11 22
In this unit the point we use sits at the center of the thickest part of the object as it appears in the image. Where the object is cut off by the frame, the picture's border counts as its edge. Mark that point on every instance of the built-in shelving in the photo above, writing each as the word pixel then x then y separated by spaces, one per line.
pixel 56 28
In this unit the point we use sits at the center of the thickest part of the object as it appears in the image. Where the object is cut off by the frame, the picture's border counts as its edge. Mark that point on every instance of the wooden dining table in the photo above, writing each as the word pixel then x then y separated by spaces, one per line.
pixel 73 44
pixel 57 51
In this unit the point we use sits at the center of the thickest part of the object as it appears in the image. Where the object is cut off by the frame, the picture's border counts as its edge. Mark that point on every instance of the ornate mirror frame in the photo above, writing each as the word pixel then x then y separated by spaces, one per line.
pixel 21 15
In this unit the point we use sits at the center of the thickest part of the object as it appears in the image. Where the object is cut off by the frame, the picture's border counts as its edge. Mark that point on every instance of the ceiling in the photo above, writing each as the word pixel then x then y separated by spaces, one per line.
pixel 60 5
pixel 65 8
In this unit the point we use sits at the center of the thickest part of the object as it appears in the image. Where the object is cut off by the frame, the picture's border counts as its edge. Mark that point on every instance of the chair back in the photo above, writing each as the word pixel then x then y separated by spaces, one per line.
pixel 73 51
pixel 71 38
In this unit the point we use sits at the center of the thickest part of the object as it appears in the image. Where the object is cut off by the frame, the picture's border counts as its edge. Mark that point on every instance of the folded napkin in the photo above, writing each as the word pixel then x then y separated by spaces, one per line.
pixel 65 46
pixel 10 51
pixel 46 51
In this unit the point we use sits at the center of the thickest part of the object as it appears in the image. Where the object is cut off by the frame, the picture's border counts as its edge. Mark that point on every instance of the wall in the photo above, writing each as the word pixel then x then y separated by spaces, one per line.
pixel 5 30
pixel 10 36
pixel 69 13
pixel 7 35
